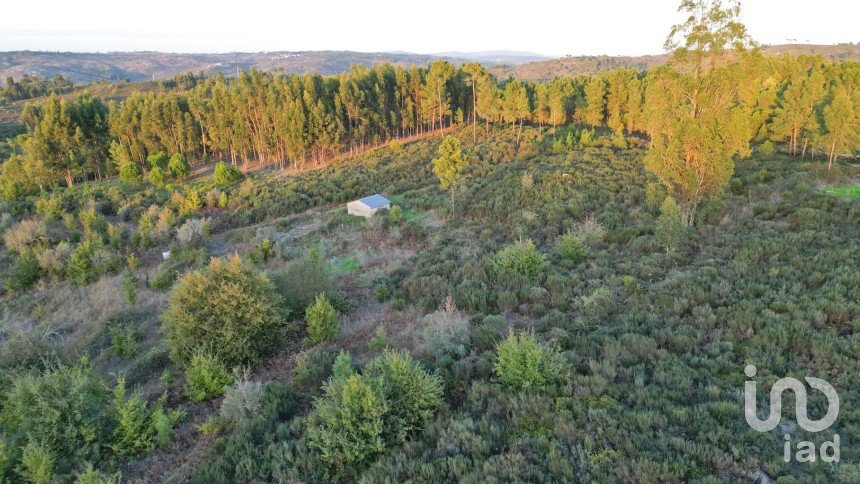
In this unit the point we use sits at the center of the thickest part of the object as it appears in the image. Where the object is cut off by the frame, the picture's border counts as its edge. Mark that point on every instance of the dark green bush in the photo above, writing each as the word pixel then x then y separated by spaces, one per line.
pixel 226 308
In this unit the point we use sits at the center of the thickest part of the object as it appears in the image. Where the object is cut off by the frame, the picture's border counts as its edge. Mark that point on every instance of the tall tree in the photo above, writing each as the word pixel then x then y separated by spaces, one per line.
pixel 841 127
pixel 516 106
pixel 696 125
pixel 450 165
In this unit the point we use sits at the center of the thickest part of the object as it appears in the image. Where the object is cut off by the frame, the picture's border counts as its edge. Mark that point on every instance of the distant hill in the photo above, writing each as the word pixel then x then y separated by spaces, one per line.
pixel 586 65
pixel 494 57
pixel 142 66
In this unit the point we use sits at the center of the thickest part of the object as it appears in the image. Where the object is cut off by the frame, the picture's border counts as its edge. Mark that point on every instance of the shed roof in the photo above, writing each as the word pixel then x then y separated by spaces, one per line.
pixel 375 201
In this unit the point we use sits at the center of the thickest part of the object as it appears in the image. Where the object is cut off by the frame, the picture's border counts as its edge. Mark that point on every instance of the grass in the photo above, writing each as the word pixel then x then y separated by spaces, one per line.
pixel 850 191
pixel 348 266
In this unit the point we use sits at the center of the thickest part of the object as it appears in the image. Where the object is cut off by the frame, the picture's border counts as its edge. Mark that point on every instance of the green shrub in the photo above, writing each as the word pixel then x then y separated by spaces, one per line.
pixel 412 394
pixel 670 225
pixel 165 275
pixel 321 317
pixel 75 434
pixel 522 258
pixel 129 287
pixel 300 281
pixel 82 268
pixel 157 160
pixel 24 273
pixel 135 422
pixel 37 464
pixel 123 342
pixel 129 173
pixel 379 341
pixel 163 429
pixel 226 308
pixel 157 177
pixel 205 377
pixel 178 166
pixel 342 367
pixel 395 215
pixel 382 293
pixel 347 431
pixel 313 367
pixel 571 247
pixel 523 364
pixel 226 174
pixel 95 476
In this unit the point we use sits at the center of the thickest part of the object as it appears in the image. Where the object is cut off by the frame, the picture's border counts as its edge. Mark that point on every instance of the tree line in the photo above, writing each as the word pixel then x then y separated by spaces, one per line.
pixel 295 121
pixel 28 87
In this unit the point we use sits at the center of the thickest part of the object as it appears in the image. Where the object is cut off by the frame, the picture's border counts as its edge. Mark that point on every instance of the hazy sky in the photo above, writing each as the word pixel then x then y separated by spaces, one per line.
pixel 611 27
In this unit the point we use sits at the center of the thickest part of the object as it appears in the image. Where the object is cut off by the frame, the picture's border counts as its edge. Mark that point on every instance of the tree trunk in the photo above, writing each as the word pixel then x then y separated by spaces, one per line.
pixel 474 112
pixel 451 188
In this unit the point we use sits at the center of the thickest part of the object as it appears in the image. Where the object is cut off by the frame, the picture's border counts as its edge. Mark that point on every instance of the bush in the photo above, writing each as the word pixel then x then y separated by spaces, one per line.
pixel 192 231
pixel 395 215
pixel 670 225
pixel 37 464
pixel 157 160
pixel 321 317
pixel 226 308
pixel 590 231
pixel 123 342
pixel 165 275
pixel 49 208
pixel 135 430
pixel 299 282
pixel 412 394
pixel 243 399
pixel 313 367
pixel 571 247
pixel 157 177
pixel 129 287
pixel 95 476
pixel 129 173
pixel 446 333
pixel 178 167
pixel 347 430
pixel 382 293
pixel 523 364
pixel 226 174
pixel 75 434
pixel 522 258
pixel 205 377
pixel 82 268
pixel 26 235
pixel 54 261
pixel 24 273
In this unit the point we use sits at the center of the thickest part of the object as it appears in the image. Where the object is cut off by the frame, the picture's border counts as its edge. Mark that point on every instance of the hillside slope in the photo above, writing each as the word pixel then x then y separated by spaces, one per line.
pixel 587 65
pixel 140 66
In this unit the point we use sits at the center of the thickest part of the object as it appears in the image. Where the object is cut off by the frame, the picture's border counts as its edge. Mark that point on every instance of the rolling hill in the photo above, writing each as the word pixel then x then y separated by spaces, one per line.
pixel 587 65
pixel 140 66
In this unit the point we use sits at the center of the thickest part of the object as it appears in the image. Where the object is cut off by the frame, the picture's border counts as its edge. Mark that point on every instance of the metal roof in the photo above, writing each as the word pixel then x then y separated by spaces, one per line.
pixel 375 201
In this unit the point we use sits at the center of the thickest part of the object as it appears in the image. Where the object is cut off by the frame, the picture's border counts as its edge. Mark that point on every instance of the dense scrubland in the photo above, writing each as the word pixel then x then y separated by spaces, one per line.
pixel 567 287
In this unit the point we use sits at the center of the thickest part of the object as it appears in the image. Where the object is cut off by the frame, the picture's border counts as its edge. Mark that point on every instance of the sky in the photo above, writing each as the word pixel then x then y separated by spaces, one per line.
pixel 553 28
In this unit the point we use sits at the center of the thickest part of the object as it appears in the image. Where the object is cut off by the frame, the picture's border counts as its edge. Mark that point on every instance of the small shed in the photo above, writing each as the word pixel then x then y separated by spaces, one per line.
pixel 367 206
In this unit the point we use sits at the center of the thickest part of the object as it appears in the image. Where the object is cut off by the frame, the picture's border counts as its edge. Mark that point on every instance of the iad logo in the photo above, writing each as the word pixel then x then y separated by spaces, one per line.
pixel 805 449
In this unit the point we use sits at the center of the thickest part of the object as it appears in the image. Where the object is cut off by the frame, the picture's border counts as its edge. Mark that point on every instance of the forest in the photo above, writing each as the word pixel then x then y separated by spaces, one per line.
pixel 567 286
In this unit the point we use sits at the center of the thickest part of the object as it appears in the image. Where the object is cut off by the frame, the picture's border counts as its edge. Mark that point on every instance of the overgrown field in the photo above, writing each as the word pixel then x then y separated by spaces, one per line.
pixel 553 328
